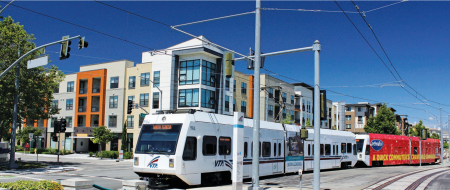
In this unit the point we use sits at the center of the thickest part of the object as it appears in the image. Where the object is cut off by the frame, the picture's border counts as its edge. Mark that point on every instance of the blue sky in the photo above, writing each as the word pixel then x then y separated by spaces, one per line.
pixel 414 35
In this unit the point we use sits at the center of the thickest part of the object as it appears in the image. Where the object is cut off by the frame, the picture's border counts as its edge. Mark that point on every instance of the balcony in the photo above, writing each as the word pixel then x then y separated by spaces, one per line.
pixel 96 89
pixel 270 112
pixel 277 100
pixel 83 91
pixel 297 106
pixel 95 108
pixel 360 122
pixel 81 108
pixel 297 121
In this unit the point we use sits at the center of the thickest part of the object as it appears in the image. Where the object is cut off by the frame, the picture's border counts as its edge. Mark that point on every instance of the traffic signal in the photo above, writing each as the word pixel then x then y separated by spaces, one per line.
pixel 82 44
pixel 63 124
pixel 57 126
pixel 229 62
pixel 54 138
pixel 251 63
pixel 130 106
pixel 65 49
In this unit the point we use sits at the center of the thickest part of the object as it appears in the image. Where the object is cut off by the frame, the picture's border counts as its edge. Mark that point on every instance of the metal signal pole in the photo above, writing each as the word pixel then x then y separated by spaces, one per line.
pixel 442 139
pixel 256 96
pixel 316 169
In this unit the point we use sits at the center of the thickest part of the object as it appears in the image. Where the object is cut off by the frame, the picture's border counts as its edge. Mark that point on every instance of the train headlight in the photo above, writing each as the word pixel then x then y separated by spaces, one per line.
pixel 171 163
pixel 360 155
pixel 136 161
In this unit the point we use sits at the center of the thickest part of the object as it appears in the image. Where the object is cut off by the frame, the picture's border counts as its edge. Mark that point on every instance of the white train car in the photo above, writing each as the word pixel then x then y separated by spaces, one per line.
pixel 196 149
pixel 363 149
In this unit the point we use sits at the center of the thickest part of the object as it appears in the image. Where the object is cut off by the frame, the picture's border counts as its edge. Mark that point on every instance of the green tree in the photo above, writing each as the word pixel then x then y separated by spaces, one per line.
pixel 124 138
pixel 22 134
pixel 416 130
pixel 446 145
pixel 102 135
pixel 383 122
pixel 308 123
pixel 36 85
pixel 288 119
pixel 435 136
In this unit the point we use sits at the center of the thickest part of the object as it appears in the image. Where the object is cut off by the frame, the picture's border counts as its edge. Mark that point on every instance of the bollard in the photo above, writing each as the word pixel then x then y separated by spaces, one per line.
pixel 300 172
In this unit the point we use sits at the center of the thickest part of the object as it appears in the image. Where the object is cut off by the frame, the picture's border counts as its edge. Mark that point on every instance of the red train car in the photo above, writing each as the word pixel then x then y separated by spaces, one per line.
pixel 381 149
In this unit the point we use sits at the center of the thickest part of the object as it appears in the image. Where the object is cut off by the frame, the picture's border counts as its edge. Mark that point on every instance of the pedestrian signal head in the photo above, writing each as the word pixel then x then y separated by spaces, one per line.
pixel 82 44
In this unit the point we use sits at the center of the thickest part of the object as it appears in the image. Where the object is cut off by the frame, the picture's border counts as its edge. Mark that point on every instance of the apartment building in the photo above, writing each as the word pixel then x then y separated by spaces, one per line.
pixel 305 93
pixel 338 117
pixel 277 100
pixel 242 94
pixel 356 115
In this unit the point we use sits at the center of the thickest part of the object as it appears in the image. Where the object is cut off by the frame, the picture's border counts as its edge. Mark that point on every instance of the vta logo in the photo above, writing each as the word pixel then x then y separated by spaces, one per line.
pixel 220 163
pixel 153 163
pixel 376 144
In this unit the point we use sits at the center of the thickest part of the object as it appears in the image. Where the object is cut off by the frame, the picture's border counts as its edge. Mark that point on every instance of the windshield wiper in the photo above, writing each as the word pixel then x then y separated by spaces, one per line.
pixel 155 151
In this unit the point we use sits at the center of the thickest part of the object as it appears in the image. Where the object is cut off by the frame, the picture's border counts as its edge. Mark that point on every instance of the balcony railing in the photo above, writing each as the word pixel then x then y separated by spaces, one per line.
pixel 297 121
pixel 360 122
pixel 297 106
pixel 96 89
pixel 81 108
pixel 83 91
pixel 95 108
pixel 270 112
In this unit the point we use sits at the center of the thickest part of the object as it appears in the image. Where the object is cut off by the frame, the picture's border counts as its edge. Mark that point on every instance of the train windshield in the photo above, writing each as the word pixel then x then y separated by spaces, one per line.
pixel 359 145
pixel 158 139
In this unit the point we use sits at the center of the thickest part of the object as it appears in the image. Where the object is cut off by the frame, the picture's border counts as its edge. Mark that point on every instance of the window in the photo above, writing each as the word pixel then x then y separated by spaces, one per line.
pixel 188 98
pixel 348 126
pixel 244 88
pixel 321 149
pixel 243 106
pixel 327 149
pixel 155 99
pixel 274 149
pixel 69 104
pixel 334 150
pixel 309 149
pixel 260 149
pixel 114 82
pixel 349 148
pixel 279 149
pixel 234 86
pixel 360 119
pixel 312 153
pixel 284 97
pixel 270 110
pixel 360 109
pixel 209 145
pixel 245 149
pixel 208 73
pixel 70 86
pixel 266 149
pixel 130 121
pixel 227 84
pixel 415 150
pixel 292 115
pixel 113 101
pixel 270 93
pixel 348 108
pixel 234 104
pixel 354 149
pixel 69 121
pixel 208 98
pixel 145 79
pixel 131 98
pixel 343 145
pixel 367 149
pixel 143 100
pixel 189 72
pixel 156 78
pixel 284 113
pixel 224 146
pixel 190 149
pixel 348 117
pixel 56 89
pixel 227 103
pixel 55 104
pixel 251 149
pixel 131 82
pixel 292 99
pixel 112 121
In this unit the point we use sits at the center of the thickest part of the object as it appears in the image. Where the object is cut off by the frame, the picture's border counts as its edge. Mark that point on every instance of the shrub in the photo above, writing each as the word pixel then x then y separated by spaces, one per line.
pixel 32 185
pixel 18 148
pixel 38 150
pixel 108 154
pixel 90 154
pixel 128 155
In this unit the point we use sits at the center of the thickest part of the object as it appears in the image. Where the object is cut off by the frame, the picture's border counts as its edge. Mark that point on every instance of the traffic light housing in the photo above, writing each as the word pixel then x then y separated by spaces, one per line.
pixel 54 138
pixel 82 44
pixel 251 63
pixel 65 49
pixel 130 106
pixel 63 125
pixel 229 62
pixel 57 126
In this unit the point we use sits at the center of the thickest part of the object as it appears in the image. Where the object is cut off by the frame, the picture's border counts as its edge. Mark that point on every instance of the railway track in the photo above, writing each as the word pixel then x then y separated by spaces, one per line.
pixel 386 182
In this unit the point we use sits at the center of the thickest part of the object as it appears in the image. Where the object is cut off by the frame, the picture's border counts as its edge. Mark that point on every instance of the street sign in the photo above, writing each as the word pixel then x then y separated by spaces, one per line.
pixel 30 135
pixel 41 61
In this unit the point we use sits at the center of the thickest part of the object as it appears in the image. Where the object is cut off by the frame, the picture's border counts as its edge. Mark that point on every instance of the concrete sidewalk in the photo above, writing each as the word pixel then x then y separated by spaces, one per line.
pixel 71 156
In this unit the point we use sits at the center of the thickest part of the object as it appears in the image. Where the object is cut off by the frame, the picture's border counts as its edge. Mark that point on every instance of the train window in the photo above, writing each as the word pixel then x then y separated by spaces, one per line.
pixel 312 152
pixel 190 149
pixel 321 149
pixel 309 149
pixel 367 149
pixel 333 150
pixel 343 145
pixel 327 149
pixel 251 149
pixel 224 145
pixel 354 149
pixel 349 148
pixel 279 149
pixel 415 150
pixel 209 145
pixel 245 149
pixel 259 149
pixel 274 149
pixel 266 149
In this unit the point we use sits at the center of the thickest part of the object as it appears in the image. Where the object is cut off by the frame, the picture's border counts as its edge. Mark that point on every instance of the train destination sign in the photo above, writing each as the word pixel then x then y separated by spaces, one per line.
pixel 163 127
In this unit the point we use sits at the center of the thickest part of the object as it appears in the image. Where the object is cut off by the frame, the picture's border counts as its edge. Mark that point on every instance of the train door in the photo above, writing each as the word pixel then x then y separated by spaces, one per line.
pixel 276 168
pixel 246 156
pixel 336 153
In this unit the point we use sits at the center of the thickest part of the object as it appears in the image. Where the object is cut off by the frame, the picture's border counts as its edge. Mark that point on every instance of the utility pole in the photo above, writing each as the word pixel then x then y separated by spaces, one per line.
pixel 442 138
pixel 448 137
pixel 12 156
pixel 316 169
pixel 256 97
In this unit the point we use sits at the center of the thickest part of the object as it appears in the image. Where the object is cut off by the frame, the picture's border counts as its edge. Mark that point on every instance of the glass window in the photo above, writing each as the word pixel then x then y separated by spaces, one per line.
pixel 270 112
pixel 360 109
pixel 227 84
pixel 349 148
pixel 348 117
pixel 155 99
pixel 266 149
pixel 415 150
pixel 130 121
pixel 145 79
pixel 56 90
pixel 208 98
pixel 113 101
pixel 367 149
pixel 360 118
pixel 208 73
pixel 69 121
pixel 234 104
pixel 348 108
pixel 55 104
pixel 190 149
pixel 321 149
pixel 245 149
pixel 154 139
pixel 156 78
pixel 234 86
pixel 112 121
pixel 284 97
pixel 354 149
pixel 292 99
pixel 227 103
pixel 270 93
pixel 209 145
pixel 244 88
pixel 143 100
pixel 309 149
pixel 224 146
pixel 279 149
pixel 188 98
pixel 114 82
pixel 359 145
pixel 334 150
pixel 132 82
pixel 70 86
pixel 327 149
pixel 189 72
pixel 274 149
pixel 69 104
pixel 343 147
pixel 348 126
pixel 292 115
pixel 243 106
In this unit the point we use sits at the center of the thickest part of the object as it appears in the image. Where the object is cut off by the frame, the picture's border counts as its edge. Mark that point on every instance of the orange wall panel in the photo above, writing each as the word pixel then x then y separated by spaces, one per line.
pixel 251 80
